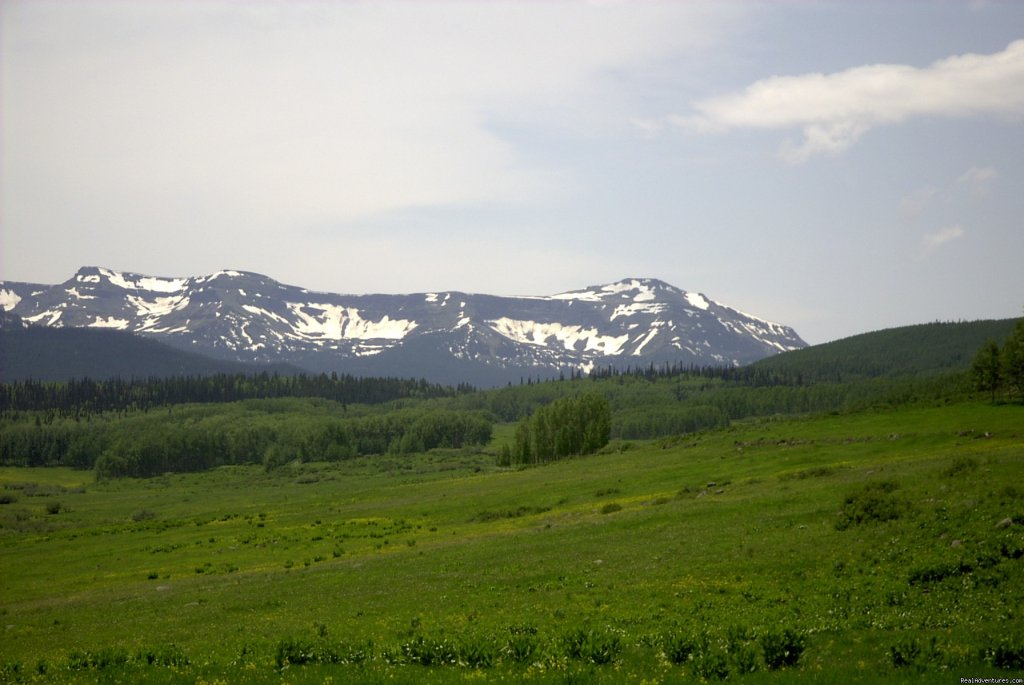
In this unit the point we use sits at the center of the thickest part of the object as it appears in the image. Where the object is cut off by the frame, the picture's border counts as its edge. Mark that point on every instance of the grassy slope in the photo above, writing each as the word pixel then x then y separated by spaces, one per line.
pixel 446 545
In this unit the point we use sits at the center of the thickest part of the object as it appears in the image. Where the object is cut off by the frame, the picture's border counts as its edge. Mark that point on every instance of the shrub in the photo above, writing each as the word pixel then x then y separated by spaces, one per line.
pixel 904 653
pixel 143 515
pixel 875 502
pixel 521 644
pixel 926 575
pixel 494 515
pixel 707 662
pixel 677 646
pixel 611 508
pixel 910 652
pixel 98 661
pixel 11 671
pixel 744 658
pixel 53 508
pixel 294 651
pixel 164 655
pixel 961 466
pixel 596 645
pixel 742 653
pixel 1007 653
pixel 476 652
pixel 428 652
pixel 711 665
pixel 782 648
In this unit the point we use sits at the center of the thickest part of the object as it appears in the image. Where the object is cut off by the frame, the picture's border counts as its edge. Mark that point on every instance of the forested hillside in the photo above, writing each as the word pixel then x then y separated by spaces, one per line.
pixel 910 350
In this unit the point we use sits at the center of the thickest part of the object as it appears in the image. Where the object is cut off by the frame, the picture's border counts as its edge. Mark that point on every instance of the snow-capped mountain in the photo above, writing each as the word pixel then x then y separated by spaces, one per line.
pixel 445 336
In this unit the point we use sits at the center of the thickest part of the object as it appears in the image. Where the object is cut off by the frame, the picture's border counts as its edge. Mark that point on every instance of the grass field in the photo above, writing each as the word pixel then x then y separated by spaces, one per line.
pixel 881 546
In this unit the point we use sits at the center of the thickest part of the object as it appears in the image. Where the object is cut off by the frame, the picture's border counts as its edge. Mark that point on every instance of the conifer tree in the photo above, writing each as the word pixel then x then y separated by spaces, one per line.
pixel 1012 358
pixel 987 368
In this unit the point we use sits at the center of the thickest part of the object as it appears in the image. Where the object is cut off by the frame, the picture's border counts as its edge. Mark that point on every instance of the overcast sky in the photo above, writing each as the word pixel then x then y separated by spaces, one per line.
pixel 837 167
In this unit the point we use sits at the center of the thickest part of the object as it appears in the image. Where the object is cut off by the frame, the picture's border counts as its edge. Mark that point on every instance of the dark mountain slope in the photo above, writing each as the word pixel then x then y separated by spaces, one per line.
pixel 57 354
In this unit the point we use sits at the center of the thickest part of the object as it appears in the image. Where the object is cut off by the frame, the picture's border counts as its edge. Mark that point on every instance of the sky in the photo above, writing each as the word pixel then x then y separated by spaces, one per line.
pixel 839 167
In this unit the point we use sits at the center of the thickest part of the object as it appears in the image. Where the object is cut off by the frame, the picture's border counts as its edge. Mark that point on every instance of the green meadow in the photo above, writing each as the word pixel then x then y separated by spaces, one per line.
pixel 879 545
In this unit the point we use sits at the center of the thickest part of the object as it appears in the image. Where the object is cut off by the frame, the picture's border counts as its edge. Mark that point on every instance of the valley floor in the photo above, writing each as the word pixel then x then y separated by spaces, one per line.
pixel 880 546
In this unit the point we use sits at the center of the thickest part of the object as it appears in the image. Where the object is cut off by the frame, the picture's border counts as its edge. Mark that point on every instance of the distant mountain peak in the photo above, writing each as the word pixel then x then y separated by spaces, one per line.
pixel 445 336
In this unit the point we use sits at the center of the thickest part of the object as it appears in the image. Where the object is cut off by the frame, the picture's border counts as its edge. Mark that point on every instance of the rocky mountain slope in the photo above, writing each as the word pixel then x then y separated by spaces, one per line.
pixel 443 336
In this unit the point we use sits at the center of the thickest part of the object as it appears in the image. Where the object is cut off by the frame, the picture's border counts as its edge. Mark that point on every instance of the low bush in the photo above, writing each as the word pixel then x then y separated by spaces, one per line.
pixel 495 515
pixel 291 651
pixel 677 646
pixel 905 653
pixel 742 652
pixel 425 651
pixel 522 643
pixel 98 661
pixel 164 655
pixel 1007 653
pixel 476 651
pixel 709 662
pixel 926 575
pixel 782 648
pixel 875 502
pixel 961 466
pixel 143 515
pixel 594 645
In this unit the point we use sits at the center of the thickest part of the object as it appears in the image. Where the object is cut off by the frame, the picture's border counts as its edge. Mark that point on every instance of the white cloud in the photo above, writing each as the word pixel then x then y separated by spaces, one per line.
pixel 978 181
pixel 975 175
pixel 834 110
pixel 932 241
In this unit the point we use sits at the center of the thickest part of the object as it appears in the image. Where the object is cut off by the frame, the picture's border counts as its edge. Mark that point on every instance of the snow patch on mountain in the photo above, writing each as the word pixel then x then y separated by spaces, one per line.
pixel 73 292
pixel 109 322
pixel 259 311
pixel 160 306
pixel 53 314
pixel 570 337
pixel 697 300
pixel 153 284
pixel 9 299
pixel 643 343
pixel 337 322
pixel 637 308
pixel 582 295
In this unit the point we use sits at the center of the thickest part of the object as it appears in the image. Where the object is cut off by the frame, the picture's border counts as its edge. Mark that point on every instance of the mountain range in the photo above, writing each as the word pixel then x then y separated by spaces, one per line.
pixel 448 337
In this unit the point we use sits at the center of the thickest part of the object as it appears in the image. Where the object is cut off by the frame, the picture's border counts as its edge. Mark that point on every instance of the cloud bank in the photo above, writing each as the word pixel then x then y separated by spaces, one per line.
pixel 219 113
pixel 834 110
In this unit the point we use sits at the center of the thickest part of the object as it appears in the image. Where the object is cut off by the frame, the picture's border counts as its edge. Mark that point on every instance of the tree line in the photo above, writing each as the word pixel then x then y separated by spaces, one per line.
pixel 80 397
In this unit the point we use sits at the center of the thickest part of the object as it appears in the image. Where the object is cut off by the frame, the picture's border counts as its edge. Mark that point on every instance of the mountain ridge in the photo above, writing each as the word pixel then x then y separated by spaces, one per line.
pixel 249 317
